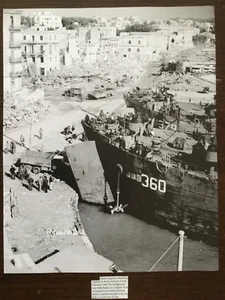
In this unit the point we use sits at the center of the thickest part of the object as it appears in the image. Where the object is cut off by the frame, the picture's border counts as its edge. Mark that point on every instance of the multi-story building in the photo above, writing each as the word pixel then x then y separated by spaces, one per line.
pixel 133 46
pixel 47 19
pixel 94 34
pixel 41 51
pixel 12 61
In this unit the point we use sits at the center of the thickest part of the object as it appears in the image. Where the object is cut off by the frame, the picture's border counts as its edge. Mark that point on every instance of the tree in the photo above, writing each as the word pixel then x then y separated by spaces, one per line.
pixel 199 39
pixel 145 27
pixel 70 23
pixel 26 21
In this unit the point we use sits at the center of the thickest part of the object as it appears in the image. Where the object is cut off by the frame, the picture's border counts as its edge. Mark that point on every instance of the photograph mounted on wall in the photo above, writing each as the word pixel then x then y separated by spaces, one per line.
pixel 109 140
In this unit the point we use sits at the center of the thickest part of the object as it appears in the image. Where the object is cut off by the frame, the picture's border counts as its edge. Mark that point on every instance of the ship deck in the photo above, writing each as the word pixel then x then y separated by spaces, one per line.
pixel 168 156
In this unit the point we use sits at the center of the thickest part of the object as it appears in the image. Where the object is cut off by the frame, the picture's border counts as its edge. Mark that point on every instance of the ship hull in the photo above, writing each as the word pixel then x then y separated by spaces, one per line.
pixel 174 198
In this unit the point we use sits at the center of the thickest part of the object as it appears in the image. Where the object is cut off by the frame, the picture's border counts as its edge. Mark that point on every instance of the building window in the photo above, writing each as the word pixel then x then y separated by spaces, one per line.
pixel 129 49
pixel 50 49
pixel 41 37
pixel 138 50
pixel 37 29
pixel 41 48
pixel 50 59
pixel 33 59
pixel 42 59
pixel 139 42
pixel 50 37
pixel 25 48
pixel 129 42
pixel 42 71
pixel 32 38
pixel 24 38
pixel 32 49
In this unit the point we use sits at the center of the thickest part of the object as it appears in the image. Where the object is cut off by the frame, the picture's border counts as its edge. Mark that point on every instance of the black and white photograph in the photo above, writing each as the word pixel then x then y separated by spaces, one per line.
pixel 109 140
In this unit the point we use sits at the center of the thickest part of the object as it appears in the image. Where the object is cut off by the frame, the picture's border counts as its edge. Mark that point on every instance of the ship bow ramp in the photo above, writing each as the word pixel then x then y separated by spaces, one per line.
pixel 88 172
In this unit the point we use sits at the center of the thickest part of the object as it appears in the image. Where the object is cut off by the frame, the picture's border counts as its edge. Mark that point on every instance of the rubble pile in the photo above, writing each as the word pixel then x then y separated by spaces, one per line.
pixel 26 105
pixel 72 231
pixel 186 82
pixel 112 74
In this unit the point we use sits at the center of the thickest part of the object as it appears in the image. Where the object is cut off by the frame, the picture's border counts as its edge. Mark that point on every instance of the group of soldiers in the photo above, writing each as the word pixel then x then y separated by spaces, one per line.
pixel 70 133
pixel 43 183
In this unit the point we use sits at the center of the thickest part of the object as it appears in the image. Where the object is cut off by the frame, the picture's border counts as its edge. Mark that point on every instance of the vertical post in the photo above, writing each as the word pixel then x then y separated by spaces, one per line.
pixel 11 202
pixel 31 122
pixel 178 120
pixel 118 190
pixel 181 250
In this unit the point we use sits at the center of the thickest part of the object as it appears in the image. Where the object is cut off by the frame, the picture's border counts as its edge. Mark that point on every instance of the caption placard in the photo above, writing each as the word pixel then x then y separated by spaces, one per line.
pixel 110 287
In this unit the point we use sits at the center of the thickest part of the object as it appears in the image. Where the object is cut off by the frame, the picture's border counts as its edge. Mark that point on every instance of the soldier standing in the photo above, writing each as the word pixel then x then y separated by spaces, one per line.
pixel 45 184
pixel 39 183
pixel 13 172
pixel 73 128
pixel 26 173
pixel 51 182
pixel 40 133
pixel 30 181
pixel 21 172
pixel 13 148
pixel 7 147
pixel 22 140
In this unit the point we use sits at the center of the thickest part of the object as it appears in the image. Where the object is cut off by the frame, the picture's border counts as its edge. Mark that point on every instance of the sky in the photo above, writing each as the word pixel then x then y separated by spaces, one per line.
pixel 152 13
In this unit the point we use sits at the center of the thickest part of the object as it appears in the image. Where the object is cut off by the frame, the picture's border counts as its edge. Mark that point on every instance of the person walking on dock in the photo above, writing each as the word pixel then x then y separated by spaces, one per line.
pixel 40 133
pixel 22 140
pixel 13 172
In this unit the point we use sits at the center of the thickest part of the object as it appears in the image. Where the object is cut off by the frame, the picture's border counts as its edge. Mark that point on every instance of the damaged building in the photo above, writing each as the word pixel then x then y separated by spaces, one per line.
pixel 12 57
pixel 40 51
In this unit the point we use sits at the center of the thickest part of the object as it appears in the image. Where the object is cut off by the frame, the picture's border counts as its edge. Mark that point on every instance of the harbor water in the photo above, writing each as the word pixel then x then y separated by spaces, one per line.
pixel 135 246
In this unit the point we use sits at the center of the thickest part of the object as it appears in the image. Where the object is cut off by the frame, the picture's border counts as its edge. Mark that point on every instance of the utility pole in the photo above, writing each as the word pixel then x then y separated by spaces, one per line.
pixel 31 123
pixel 181 250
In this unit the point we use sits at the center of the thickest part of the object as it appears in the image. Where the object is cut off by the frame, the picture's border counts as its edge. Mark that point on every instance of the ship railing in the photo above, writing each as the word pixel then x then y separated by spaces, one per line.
pixel 197 170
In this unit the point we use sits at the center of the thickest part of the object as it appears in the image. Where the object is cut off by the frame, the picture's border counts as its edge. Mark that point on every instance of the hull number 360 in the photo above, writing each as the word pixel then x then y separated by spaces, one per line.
pixel 153 183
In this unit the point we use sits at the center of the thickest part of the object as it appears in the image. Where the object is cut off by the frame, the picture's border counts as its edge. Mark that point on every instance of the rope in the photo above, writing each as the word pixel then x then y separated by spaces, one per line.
pixel 166 259
pixel 168 137
pixel 118 108
pixel 163 254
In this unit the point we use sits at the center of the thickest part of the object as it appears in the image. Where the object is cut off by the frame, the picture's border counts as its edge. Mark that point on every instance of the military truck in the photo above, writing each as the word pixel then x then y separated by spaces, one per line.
pixel 76 93
pixel 37 161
